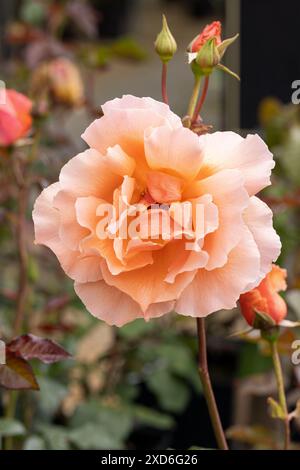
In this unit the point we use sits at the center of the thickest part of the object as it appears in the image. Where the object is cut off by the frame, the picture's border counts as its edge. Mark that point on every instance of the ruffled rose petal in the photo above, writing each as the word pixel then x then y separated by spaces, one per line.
pixel 176 150
pixel 46 222
pixel 134 102
pixel 147 285
pixel 250 155
pixel 88 175
pixel 231 198
pixel 108 303
pixel 259 219
pixel 220 288
pixel 70 232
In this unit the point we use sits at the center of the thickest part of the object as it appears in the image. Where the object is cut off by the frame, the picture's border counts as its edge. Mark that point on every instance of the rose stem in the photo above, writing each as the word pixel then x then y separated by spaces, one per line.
pixel 22 189
pixel 281 392
pixel 22 252
pixel 164 83
pixel 207 387
pixel 194 97
pixel 201 100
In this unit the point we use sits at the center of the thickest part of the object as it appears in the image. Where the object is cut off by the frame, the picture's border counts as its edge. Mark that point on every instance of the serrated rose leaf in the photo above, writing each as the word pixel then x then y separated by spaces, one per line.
pixel 17 373
pixel 33 347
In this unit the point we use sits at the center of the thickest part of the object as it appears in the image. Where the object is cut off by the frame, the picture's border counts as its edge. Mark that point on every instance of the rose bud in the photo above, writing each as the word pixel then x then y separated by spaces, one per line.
pixel 264 299
pixel 207 49
pixel 212 30
pixel 60 80
pixel 15 118
pixel 165 44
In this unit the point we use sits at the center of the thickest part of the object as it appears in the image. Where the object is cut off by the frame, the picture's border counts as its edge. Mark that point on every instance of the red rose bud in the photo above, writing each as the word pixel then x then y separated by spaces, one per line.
pixel 207 49
pixel 265 299
pixel 212 30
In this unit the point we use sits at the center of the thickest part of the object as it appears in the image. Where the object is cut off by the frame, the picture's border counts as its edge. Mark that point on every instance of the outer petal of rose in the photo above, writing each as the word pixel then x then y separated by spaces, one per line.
pixel 259 218
pixel 231 198
pixel 19 101
pixel 46 223
pixel 10 128
pixel 220 289
pixel 108 303
pixel 147 285
pixel 277 278
pixel 88 175
pixel 134 102
pixel 70 232
pixel 158 309
pixel 250 155
pixel 176 150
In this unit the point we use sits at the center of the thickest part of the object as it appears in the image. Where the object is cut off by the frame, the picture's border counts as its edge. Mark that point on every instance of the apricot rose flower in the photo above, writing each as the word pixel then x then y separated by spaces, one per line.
pixel 141 155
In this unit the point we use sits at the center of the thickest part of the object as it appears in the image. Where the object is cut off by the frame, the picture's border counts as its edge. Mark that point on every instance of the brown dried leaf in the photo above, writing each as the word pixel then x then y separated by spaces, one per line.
pixel 17 373
pixel 33 347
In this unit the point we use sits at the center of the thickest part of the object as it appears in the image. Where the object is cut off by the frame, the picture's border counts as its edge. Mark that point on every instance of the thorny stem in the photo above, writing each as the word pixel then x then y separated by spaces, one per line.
pixel 164 83
pixel 207 387
pixel 281 392
pixel 194 97
pixel 201 100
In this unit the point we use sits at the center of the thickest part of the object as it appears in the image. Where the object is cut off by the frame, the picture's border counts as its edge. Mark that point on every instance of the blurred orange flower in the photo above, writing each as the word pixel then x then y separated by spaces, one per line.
pixel 265 298
pixel 15 118
pixel 61 80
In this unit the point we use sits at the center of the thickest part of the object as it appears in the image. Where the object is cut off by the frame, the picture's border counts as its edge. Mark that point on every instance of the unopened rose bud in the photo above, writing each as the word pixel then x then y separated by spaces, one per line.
pixel 207 49
pixel 263 306
pixel 165 44
pixel 207 58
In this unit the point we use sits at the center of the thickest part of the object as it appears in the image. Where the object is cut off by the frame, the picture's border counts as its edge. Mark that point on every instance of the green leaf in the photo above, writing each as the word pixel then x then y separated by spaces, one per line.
pixel 171 393
pixel 128 48
pixel 136 329
pixel 11 427
pixel 152 418
pixel 251 361
pixel 94 436
pixel 51 395
pixel 56 437
pixel 117 422
pixel 34 443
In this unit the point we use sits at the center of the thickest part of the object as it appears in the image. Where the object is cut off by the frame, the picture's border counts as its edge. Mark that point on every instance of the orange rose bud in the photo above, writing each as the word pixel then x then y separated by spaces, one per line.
pixel 212 30
pixel 207 49
pixel 15 117
pixel 265 299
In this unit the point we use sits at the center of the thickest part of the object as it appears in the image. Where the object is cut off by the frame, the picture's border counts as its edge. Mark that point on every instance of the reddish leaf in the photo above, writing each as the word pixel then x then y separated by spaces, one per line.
pixel 34 347
pixel 17 374
pixel 57 303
